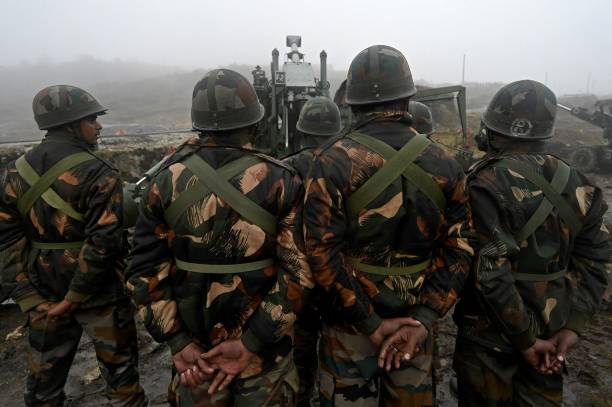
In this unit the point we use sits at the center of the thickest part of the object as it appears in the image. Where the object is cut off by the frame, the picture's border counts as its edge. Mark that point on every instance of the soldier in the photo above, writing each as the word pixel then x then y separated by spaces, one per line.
pixel 319 120
pixel 60 227
pixel 215 267
pixel 421 117
pixel 540 272
pixel 385 235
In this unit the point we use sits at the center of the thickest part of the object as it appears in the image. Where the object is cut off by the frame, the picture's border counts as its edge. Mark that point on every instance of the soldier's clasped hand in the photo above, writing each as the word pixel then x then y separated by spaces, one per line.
pixel 232 358
pixel 192 369
pixel 390 326
pixel 540 355
pixel 401 346
pixel 564 340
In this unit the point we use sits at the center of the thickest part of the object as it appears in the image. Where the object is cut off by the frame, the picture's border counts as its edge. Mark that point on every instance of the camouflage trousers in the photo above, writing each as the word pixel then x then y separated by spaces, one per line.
pixel 53 345
pixel 486 377
pixel 350 376
pixel 274 386
pixel 307 329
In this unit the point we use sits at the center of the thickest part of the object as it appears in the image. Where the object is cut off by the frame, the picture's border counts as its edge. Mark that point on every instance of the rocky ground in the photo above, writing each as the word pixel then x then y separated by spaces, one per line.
pixel 588 383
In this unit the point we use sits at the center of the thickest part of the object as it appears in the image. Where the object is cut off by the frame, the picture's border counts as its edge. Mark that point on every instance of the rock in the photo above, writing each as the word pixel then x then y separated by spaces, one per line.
pixel 91 376
pixel 16 334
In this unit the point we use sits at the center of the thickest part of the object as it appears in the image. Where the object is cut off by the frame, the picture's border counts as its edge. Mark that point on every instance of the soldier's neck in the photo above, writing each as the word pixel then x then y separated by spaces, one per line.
pixel 233 139
pixel 65 136
pixel 521 148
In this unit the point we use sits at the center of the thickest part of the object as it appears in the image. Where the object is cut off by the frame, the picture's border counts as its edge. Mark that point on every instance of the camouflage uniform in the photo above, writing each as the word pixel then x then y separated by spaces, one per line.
pixel 498 315
pixel 525 287
pixel 319 120
pixel 90 275
pixel 180 306
pixel 399 227
pixel 308 323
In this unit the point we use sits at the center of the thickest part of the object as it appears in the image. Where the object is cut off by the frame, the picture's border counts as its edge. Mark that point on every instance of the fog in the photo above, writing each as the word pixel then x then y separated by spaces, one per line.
pixel 502 40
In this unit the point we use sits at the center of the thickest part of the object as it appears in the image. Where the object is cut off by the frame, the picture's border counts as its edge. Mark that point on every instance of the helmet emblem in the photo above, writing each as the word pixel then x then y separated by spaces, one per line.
pixel 521 128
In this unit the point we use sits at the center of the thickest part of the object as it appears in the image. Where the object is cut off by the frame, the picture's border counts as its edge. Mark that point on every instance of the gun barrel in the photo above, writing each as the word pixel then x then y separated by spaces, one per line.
pixel 566 108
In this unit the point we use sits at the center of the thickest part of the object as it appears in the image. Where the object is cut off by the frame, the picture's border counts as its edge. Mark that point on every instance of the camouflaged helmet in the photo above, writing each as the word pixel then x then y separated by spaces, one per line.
pixel 224 100
pixel 379 74
pixel 319 117
pixel 421 117
pixel 62 104
pixel 523 110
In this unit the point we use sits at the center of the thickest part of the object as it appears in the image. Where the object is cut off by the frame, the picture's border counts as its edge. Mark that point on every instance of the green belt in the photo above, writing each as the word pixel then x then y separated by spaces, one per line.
pixel 538 277
pixel 389 271
pixel 223 268
pixel 56 245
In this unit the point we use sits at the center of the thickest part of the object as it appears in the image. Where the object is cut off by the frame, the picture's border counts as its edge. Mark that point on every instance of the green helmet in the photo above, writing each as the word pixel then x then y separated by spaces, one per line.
pixel 523 110
pixel 224 100
pixel 379 74
pixel 62 104
pixel 319 117
pixel 421 117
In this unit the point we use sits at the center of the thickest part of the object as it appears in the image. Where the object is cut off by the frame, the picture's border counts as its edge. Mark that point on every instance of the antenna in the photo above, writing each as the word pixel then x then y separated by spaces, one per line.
pixel 588 85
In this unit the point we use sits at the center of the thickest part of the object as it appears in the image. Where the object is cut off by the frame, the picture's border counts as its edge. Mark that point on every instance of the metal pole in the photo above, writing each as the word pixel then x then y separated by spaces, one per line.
pixel 463 71
pixel 324 89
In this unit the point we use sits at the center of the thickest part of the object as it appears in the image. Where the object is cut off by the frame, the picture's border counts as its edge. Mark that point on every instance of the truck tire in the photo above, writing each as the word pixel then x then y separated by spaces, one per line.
pixel 584 159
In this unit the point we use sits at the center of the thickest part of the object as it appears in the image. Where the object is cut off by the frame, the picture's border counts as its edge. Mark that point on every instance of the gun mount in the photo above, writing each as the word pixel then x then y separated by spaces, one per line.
pixel 284 94
pixel 589 158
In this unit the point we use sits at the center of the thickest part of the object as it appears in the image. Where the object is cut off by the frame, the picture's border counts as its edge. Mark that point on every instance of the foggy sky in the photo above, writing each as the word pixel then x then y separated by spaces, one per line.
pixel 503 40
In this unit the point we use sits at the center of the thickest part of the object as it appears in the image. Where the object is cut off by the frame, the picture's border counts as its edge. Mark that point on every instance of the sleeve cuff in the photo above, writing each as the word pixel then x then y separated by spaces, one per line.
pixel 178 341
pixel 252 342
pixel 424 315
pixel 523 340
pixel 369 325
pixel 77 297
pixel 577 321
pixel 30 302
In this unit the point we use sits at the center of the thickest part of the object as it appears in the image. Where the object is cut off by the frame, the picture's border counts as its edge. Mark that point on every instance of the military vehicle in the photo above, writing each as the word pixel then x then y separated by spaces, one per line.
pixel 590 158
pixel 284 94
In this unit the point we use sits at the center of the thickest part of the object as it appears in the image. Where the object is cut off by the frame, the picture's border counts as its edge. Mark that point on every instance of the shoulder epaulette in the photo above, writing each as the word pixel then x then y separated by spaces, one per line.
pixel 104 160
pixel 275 161
pixel 330 142
pixel 300 151
pixel 481 164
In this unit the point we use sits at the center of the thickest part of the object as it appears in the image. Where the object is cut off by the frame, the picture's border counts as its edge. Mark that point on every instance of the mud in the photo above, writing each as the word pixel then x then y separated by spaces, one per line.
pixel 588 383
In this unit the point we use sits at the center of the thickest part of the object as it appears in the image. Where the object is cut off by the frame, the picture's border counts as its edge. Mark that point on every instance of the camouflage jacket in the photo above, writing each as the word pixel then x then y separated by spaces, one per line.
pixel 180 306
pixel 506 313
pixel 90 275
pixel 400 227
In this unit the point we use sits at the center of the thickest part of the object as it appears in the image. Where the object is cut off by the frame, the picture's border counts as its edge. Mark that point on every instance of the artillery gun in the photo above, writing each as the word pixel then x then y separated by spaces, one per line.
pixel 283 96
pixel 589 158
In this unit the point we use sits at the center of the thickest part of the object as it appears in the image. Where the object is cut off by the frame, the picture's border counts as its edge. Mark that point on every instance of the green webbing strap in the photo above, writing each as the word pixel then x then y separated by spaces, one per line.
pixel 199 191
pixel 40 185
pixel 412 172
pixel 533 277
pixel 558 183
pixel 565 210
pixel 223 268
pixel 234 198
pixel 56 246
pixel 389 271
